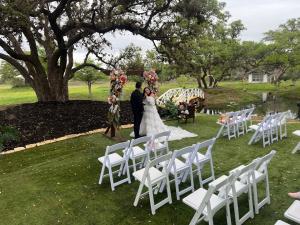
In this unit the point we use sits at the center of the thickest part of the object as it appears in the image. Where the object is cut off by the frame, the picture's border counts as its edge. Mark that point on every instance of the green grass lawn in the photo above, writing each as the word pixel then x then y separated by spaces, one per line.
pixel 58 183
pixel 78 90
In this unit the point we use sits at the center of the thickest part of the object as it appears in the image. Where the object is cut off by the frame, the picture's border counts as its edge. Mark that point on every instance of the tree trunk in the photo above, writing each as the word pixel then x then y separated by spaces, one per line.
pixel 204 82
pixel 199 82
pixel 90 88
pixel 46 90
pixel 215 83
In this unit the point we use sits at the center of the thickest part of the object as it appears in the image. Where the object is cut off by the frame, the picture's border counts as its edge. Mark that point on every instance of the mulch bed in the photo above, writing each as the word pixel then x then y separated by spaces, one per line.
pixel 38 122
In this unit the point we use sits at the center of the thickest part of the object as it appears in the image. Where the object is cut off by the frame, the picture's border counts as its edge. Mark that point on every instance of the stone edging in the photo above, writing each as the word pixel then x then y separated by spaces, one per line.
pixel 69 136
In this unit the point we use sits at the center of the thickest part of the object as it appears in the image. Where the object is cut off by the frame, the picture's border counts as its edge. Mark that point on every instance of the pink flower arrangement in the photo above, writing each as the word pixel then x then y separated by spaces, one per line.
pixel 151 78
pixel 118 79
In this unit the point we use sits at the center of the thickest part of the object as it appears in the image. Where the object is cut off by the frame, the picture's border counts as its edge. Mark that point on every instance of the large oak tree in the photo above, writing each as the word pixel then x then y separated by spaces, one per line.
pixel 60 28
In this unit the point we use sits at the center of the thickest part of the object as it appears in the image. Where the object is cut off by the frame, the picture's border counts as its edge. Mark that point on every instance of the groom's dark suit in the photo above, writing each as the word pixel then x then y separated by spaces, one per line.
pixel 137 106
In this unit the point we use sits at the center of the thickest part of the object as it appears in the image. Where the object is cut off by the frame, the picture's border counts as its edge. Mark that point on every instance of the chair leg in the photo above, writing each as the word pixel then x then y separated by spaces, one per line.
pixel 177 186
pixel 134 164
pixel 192 179
pixel 200 176
pixel 268 189
pixel 250 200
pixel 236 211
pixel 111 179
pixel 228 216
pixel 138 194
pixel 212 169
pixel 102 174
pixel 255 198
pixel 169 190
pixel 151 197
pixel 128 172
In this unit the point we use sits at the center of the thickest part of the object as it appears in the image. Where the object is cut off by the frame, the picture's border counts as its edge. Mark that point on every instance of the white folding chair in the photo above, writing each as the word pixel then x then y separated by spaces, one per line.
pixel 280 222
pixel 135 152
pixel 261 174
pixel 152 178
pixel 180 170
pixel 160 143
pixel 240 122
pixel 262 131
pixel 206 203
pixel 282 124
pixel 228 128
pixel 242 184
pixel 112 159
pixel 248 118
pixel 201 159
pixel 276 130
pixel 293 212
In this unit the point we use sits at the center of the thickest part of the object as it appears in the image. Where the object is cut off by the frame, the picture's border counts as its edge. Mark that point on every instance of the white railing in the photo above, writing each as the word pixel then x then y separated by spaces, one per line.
pixel 177 95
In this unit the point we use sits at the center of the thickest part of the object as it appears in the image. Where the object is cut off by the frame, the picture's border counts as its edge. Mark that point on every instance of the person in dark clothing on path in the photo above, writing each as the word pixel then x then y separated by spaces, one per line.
pixel 137 106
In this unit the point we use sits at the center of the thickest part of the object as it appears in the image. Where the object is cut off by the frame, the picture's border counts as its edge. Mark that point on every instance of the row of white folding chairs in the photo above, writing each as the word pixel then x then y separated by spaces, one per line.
pixel 179 165
pixel 120 155
pixel 272 128
pixel 236 123
pixel 292 213
pixel 226 189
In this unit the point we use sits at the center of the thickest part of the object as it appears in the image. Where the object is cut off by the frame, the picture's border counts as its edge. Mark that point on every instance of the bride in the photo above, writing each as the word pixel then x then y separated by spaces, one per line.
pixel 152 123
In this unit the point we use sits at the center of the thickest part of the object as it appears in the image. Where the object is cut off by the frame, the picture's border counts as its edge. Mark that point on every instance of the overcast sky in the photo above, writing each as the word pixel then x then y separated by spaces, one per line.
pixel 258 16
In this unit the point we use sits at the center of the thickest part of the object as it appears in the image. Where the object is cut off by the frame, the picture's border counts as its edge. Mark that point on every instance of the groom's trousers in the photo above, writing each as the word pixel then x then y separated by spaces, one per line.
pixel 137 117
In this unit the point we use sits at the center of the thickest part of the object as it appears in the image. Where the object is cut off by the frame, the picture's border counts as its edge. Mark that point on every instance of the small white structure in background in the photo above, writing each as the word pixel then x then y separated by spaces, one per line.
pixel 178 95
pixel 258 78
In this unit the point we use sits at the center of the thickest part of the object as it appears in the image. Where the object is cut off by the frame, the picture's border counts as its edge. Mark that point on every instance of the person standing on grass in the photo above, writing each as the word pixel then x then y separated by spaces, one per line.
pixel 137 106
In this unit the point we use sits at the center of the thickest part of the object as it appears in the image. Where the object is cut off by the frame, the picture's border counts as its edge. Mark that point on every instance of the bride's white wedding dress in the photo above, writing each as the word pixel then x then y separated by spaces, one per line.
pixel 152 123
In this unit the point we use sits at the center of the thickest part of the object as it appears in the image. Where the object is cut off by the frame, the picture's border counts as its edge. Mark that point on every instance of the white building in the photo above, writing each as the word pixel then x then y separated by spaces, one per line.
pixel 258 78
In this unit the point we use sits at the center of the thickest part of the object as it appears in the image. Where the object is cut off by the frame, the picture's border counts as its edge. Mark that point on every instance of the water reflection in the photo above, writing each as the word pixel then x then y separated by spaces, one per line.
pixel 267 102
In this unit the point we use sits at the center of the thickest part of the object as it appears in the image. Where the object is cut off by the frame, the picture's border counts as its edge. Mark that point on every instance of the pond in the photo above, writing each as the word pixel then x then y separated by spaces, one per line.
pixel 267 102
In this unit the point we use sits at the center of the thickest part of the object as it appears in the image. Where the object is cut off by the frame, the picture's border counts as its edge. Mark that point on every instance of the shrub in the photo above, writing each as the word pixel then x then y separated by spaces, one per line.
pixel 7 134
pixel 169 111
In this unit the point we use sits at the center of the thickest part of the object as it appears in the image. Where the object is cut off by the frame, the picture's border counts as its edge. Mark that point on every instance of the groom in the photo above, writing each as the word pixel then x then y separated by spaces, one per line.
pixel 136 101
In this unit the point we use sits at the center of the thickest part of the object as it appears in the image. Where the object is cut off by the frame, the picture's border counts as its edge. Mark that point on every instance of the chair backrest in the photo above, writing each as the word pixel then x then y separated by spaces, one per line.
pixel 206 145
pixel 275 119
pixel 246 172
pixel 190 150
pixel 116 147
pixel 165 135
pixel 249 112
pixel 265 123
pixel 165 158
pixel 221 183
pixel 141 140
pixel 284 116
pixel 232 117
pixel 263 162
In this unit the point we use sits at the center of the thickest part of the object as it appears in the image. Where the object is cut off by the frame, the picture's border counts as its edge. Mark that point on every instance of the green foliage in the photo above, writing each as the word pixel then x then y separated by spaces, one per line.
pixel 9 74
pixel 131 60
pixel 171 109
pixel 285 54
pixel 135 78
pixel 89 75
pixel 182 80
pixel 7 134
pixel 212 51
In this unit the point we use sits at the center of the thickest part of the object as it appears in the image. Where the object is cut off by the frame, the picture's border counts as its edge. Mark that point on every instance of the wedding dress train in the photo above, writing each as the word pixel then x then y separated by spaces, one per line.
pixel 152 123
